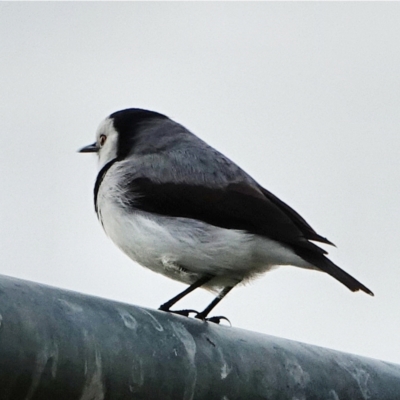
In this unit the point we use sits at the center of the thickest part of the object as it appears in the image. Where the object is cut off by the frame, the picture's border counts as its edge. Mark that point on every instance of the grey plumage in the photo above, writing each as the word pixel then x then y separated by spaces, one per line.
pixel 176 205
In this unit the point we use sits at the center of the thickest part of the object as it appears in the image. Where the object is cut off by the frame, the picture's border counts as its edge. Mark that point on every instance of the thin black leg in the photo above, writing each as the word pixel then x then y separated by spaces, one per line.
pixel 200 282
pixel 220 296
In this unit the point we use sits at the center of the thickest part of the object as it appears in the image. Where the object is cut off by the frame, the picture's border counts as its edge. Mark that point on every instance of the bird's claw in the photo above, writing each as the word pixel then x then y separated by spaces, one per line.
pixel 185 313
pixel 215 320
pixel 218 319
pixel 198 315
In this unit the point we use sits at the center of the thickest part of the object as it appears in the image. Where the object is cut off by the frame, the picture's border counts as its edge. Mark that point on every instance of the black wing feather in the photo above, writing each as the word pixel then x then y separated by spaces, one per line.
pixel 238 206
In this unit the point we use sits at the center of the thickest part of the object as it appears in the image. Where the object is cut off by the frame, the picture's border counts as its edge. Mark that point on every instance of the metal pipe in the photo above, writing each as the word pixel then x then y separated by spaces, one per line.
pixel 57 344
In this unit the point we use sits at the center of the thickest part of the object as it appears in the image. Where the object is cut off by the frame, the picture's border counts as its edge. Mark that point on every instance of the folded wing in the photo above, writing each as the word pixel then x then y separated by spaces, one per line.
pixel 238 206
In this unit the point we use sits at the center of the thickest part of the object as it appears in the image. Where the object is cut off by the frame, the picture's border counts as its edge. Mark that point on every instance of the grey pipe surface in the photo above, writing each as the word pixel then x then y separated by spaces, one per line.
pixel 57 344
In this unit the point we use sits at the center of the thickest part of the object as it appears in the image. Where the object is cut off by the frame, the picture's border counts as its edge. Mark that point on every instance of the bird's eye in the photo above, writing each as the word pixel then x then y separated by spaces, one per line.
pixel 102 140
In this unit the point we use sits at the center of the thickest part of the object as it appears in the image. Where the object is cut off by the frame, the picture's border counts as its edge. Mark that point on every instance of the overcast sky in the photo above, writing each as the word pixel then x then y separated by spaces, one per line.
pixel 303 96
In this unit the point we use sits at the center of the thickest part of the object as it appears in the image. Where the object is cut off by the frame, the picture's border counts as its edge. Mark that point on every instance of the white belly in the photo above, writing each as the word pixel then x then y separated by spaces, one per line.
pixel 185 249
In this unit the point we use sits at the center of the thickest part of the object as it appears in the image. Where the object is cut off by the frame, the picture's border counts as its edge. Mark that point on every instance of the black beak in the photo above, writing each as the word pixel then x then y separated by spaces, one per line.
pixel 91 148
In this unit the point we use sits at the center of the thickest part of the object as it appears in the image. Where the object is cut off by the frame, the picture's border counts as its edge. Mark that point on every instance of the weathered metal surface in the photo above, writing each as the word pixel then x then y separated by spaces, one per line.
pixel 57 344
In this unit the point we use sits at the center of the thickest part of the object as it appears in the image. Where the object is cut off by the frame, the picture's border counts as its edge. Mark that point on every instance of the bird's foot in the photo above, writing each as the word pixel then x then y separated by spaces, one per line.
pixel 215 320
pixel 185 313
pixel 198 315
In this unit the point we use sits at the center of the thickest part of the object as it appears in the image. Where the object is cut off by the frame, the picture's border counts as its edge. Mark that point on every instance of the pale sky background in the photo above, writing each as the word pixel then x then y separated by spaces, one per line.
pixel 303 96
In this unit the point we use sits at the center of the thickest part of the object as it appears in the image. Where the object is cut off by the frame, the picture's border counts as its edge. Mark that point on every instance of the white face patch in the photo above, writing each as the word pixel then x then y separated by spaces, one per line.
pixel 107 135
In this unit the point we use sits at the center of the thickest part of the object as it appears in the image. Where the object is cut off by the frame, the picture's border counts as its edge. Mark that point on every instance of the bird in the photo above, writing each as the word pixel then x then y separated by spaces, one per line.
pixel 177 206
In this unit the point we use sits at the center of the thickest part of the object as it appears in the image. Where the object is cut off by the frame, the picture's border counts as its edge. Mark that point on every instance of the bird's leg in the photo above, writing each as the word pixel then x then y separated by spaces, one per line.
pixel 206 311
pixel 200 282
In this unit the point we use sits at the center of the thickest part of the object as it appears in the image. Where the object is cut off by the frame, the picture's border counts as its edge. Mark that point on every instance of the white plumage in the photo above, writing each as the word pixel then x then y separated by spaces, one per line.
pixel 168 244
pixel 177 206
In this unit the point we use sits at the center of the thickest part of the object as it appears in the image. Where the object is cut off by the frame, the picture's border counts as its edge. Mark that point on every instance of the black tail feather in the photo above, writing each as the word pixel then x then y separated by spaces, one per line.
pixel 324 264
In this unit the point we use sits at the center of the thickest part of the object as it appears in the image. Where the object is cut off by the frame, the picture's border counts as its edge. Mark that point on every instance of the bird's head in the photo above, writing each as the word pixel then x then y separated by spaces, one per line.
pixel 117 134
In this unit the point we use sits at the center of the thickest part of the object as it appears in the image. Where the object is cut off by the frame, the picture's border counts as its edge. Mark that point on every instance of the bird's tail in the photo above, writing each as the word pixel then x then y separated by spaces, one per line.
pixel 324 264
